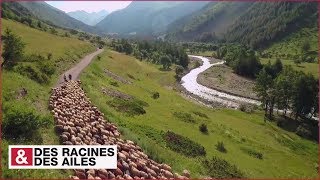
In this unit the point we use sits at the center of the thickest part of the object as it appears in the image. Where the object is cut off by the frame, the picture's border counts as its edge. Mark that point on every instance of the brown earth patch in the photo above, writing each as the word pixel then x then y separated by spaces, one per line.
pixel 117 77
pixel 114 93
pixel 223 79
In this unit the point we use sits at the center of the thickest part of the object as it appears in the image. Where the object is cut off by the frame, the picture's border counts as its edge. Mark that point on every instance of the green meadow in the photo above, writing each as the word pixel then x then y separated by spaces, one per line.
pixel 257 149
pixel 305 67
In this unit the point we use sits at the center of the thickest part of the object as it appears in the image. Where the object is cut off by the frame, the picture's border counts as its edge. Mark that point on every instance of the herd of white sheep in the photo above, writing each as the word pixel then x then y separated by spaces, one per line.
pixel 78 122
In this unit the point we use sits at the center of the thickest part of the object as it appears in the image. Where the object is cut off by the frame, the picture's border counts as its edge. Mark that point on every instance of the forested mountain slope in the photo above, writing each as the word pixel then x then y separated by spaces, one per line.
pixel 55 16
pixel 256 24
pixel 264 22
pixel 214 18
pixel 147 17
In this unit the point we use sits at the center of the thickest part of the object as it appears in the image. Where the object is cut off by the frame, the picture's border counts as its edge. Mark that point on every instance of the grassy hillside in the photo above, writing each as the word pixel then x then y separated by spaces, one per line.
pixel 244 135
pixel 65 52
pixel 312 68
pixel 48 13
pixel 290 46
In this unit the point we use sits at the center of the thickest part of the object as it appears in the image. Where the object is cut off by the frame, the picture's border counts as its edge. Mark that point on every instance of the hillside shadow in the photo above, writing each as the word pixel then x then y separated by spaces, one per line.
pixel 164 69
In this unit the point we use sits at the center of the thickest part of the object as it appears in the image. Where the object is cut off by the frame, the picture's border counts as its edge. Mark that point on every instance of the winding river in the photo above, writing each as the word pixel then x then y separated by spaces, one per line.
pixel 189 82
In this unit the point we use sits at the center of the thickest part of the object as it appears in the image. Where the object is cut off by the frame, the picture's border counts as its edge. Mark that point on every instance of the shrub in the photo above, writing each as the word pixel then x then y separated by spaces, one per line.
pixel 114 83
pixel 33 73
pixel 49 56
pixel 21 123
pixel 131 76
pixel 242 107
pixel 13 49
pixel 252 153
pixel 220 147
pixel 155 95
pixel 186 117
pixel 197 64
pixel 183 145
pixel 130 107
pixel 200 114
pixel 203 128
pixel 219 168
pixel 47 68
pixel 303 131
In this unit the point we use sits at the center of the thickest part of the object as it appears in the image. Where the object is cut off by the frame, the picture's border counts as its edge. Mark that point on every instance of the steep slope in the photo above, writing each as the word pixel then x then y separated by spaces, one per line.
pixel 291 46
pixel 55 16
pixel 256 24
pixel 147 17
pixel 215 18
pixel 14 9
pixel 266 22
pixel 64 52
pixel 89 18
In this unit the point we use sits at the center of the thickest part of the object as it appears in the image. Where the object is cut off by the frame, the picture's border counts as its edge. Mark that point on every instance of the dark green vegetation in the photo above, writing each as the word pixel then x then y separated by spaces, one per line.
pixel 203 128
pixel 156 52
pixel 252 153
pixel 278 87
pixel 290 91
pixel 21 124
pixel 220 147
pixel 255 24
pixel 183 145
pixel 183 116
pixel 145 19
pixel 29 71
pixel 243 61
pixel 295 156
pixel 131 106
pixel 220 168
pixel 267 22
pixel 208 23
pixel 13 49
pixel 293 46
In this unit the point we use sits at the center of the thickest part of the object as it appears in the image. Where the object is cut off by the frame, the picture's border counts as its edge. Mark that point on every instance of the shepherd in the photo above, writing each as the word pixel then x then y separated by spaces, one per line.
pixel 70 77
pixel 65 78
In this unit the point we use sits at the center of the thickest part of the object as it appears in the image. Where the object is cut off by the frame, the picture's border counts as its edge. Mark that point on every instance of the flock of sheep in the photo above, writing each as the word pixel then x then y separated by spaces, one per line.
pixel 80 123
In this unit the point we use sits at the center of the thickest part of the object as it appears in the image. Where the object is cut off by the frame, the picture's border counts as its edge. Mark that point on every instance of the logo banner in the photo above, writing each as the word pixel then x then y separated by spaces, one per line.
pixel 62 157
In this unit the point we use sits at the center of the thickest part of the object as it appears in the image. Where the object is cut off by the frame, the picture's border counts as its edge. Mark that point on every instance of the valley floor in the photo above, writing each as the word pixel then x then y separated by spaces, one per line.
pixel 222 78
pixel 144 117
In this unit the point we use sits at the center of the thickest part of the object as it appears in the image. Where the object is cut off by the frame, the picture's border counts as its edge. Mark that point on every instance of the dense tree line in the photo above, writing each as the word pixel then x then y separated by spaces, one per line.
pixel 243 61
pixel 288 90
pixel 157 52
pixel 266 22
pixel 195 47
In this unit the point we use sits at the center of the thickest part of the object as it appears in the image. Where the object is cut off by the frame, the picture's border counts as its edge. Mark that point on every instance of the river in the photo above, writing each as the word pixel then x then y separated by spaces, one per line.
pixel 189 82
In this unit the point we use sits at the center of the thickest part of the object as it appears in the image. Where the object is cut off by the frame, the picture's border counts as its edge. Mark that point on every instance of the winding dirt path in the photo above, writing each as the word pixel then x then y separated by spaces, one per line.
pixel 78 68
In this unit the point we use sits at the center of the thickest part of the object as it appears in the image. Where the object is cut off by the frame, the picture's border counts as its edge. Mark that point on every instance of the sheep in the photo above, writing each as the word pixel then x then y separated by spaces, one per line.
pixel 78 122
pixel 186 173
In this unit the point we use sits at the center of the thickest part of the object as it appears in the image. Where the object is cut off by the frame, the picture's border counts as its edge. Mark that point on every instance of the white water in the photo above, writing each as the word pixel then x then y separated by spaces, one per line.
pixel 189 82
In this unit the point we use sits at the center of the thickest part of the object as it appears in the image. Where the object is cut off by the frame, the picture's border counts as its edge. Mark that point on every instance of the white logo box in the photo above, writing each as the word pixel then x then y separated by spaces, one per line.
pixel 78 157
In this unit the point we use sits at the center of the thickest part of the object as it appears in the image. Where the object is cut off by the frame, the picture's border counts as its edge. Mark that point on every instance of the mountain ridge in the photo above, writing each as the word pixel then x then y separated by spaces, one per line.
pixel 89 18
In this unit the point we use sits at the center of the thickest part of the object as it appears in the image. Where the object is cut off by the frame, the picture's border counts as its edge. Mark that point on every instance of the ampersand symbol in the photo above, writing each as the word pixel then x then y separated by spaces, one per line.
pixel 20 159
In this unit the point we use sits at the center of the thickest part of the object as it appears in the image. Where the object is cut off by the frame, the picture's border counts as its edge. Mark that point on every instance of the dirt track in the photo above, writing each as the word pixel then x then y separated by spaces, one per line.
pixel 76 70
